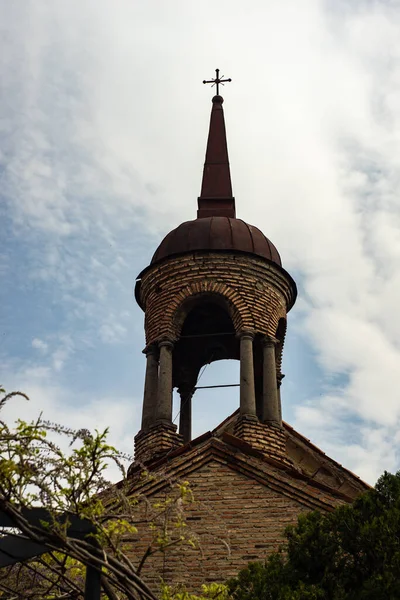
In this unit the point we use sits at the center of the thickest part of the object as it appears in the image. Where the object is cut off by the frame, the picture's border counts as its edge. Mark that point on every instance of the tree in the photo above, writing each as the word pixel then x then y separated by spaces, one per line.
pixel 64 471
pixel 214 591
pixel 352 553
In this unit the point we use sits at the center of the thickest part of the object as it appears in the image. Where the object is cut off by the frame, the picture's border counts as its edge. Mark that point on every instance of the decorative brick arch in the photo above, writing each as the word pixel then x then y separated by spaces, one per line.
pixel 256 293
pixel 211 291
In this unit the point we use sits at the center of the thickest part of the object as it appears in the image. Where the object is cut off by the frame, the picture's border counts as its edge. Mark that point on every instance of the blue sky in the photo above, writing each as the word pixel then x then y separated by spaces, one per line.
pixel 103 124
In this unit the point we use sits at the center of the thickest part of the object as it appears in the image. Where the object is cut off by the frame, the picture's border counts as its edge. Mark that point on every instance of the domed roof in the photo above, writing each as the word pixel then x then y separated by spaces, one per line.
pixel 216 233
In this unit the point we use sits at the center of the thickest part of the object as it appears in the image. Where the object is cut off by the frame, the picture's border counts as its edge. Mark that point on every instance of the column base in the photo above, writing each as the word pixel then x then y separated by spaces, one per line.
pixel 156 441
pixel 268 438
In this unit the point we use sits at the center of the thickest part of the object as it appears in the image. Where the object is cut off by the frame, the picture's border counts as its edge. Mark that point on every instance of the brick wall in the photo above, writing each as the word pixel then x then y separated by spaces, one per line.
pixel 235 520
pixel 258 293
pixel 267 438
pixel 156 441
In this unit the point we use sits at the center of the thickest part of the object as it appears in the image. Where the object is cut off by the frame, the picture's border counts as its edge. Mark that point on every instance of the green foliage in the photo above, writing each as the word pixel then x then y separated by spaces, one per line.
pixel 41 579
pixel 352 553
pixel 214 591
pixel 65 471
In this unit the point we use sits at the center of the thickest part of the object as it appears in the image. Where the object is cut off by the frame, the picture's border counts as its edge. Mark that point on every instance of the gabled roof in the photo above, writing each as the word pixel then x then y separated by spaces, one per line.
pixel 314 479
pixel 310 460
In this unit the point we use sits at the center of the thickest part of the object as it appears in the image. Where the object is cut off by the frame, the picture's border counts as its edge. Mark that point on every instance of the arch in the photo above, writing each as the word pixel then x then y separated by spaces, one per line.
pixel 219 293
pixel 205 333
pixel 207 403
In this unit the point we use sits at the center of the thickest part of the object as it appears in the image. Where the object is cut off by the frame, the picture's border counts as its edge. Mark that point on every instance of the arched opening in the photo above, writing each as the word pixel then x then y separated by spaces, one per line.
pixel 212 402
pixel 201 299
pixel 207 335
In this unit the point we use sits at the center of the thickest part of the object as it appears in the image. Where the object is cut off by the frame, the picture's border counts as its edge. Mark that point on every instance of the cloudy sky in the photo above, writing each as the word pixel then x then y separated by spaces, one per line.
pixel 103 122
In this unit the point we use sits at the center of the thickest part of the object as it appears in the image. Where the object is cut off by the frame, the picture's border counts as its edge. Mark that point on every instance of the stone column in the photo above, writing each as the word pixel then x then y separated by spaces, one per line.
pixel 150 386
pixel 271 408
pixel 164 398
pixel 185 417
pixel 247 391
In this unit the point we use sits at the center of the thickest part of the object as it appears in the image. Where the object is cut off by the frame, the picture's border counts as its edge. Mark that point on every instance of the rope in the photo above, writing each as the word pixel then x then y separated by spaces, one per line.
pixel 189 397
pixel 209 387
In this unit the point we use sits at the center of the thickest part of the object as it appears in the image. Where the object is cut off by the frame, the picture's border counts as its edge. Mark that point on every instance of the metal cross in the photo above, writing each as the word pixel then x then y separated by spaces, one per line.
pixel 217 81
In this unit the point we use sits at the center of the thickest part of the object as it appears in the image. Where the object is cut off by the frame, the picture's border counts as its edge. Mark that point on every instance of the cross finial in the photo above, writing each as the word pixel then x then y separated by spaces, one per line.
pixel 217 81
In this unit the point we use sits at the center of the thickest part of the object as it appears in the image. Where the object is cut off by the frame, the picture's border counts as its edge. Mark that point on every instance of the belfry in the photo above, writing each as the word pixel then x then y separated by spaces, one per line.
pixel 216 289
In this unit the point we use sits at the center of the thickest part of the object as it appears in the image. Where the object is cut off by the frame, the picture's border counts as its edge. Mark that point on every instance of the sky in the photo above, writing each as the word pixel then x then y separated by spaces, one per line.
pixel 103 126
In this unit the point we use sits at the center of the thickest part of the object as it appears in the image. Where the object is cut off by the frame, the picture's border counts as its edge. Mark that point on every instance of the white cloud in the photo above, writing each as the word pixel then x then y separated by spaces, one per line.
pixel 63 352
pixel 112 331
pixel 104 131
pixel 39 345
pixel 69 407
pixel 60 349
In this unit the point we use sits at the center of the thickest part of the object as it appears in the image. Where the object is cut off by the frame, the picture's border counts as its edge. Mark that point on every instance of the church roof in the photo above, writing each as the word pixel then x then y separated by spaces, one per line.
pixel 216 188
pixel 317 480
pixel 217 233
pixel 216 227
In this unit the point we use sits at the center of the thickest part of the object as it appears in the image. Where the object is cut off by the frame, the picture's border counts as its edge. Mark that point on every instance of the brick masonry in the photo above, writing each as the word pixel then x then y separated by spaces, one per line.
pixel 233 520
pixel 240 511
pixel 156 441
pixel 257 292
pixel 247 486
pixel 268 439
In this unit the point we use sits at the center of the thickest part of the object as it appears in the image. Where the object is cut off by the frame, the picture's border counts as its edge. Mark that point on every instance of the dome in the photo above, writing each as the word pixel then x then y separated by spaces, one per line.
pixel 216 233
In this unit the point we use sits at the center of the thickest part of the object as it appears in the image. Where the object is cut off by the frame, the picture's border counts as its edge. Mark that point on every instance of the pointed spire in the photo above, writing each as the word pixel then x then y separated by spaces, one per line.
pixel 216 198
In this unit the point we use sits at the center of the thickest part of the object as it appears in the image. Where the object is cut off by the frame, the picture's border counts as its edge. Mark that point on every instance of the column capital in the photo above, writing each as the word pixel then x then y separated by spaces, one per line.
pixel 150 349
pixel 269 340
pixel 166 343
pixel 186 391
pixel 247 335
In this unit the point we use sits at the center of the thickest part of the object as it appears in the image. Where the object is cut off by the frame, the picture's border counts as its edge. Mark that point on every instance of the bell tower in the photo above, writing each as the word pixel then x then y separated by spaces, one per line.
pixel 215 289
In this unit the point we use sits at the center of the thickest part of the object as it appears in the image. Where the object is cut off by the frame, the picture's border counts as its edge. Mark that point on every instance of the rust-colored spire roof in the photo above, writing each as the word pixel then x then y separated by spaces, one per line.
pixel 216 228
pixel 216 198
